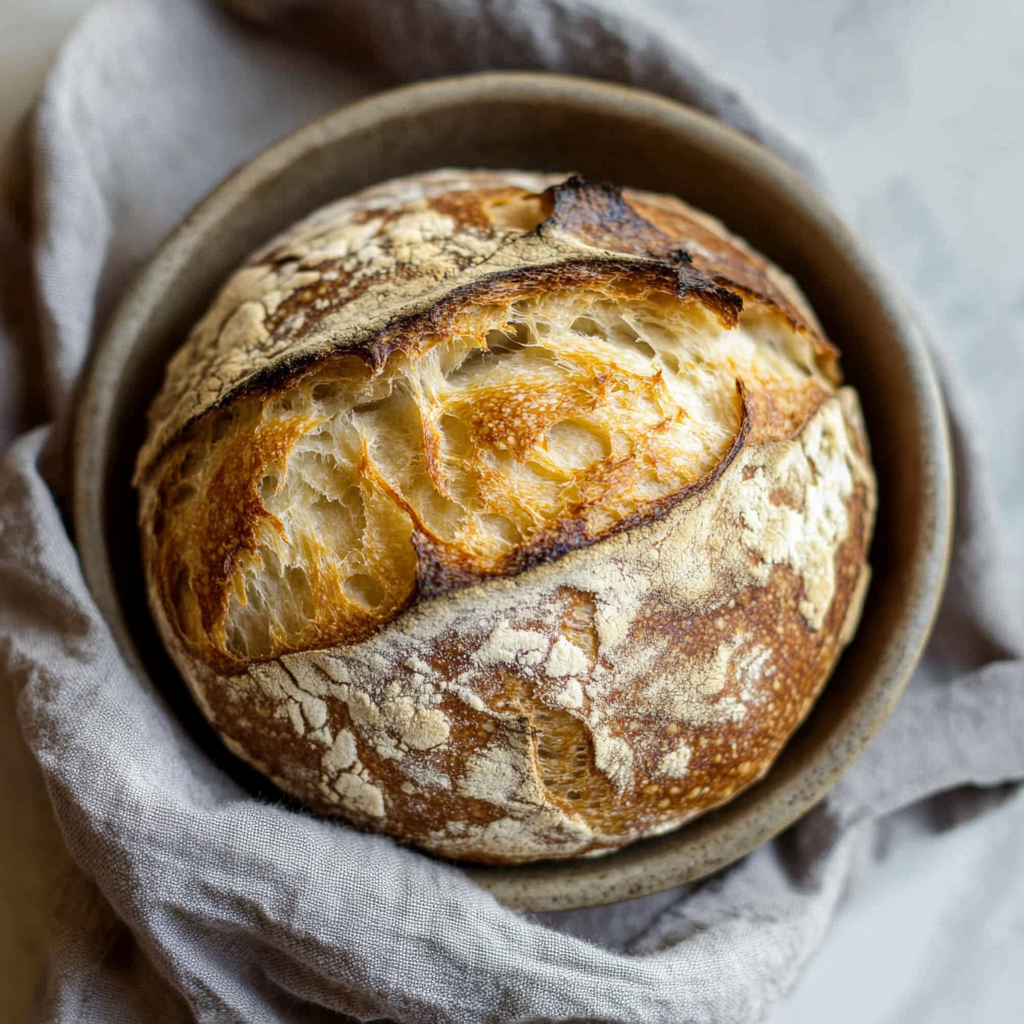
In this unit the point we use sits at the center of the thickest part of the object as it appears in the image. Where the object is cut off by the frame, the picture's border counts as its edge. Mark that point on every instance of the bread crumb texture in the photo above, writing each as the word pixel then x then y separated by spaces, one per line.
pixel 517 517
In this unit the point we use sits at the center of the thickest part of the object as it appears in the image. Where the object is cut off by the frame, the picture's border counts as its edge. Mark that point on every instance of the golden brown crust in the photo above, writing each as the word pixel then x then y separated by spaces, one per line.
pixel 635 658
pixel 702 680
pixel 293 305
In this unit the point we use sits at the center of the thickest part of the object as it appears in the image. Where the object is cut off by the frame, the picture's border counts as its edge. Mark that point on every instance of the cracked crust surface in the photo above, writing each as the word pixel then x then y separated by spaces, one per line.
pixel 517 517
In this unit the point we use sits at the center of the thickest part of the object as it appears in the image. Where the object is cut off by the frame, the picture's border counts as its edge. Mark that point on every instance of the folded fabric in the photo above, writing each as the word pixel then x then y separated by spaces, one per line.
pixel 191 899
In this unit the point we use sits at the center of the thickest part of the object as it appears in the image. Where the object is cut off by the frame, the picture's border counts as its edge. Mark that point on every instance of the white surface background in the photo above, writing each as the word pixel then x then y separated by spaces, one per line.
pixel 914 113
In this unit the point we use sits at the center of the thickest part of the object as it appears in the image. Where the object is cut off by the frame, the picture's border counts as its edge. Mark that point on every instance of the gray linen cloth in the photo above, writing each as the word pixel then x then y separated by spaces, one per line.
pixel 191 899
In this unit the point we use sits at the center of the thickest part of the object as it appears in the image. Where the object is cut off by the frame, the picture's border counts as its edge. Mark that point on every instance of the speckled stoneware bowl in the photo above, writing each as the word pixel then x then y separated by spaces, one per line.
pixel 604 132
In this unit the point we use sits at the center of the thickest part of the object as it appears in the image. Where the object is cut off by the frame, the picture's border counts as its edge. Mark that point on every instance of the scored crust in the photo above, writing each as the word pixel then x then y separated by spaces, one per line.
pixel 515 516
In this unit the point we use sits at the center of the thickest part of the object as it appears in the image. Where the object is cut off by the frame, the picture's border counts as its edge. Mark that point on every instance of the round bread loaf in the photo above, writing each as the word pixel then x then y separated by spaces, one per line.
pixel 514 516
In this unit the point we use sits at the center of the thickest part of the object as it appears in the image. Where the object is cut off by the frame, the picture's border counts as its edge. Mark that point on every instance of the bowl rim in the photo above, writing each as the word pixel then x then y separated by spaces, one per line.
pixel 719 837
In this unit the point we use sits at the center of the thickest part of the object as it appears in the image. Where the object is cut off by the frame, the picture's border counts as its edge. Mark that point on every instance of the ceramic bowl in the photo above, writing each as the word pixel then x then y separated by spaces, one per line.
pixel 605 132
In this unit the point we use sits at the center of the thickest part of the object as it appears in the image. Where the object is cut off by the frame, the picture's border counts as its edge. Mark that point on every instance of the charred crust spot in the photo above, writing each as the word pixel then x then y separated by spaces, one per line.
pixel 599 215
pixel 441 567
pixel 726 302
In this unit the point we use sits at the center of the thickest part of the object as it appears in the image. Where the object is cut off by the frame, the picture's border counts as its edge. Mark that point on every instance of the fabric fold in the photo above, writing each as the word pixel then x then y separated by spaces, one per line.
pixel 192 899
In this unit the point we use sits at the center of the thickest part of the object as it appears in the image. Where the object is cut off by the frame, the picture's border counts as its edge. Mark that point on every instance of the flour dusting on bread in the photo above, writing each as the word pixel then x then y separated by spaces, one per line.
pixel 516 516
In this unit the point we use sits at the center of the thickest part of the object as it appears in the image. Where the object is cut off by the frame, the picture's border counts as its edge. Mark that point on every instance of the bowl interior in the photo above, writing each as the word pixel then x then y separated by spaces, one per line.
pixel 552 123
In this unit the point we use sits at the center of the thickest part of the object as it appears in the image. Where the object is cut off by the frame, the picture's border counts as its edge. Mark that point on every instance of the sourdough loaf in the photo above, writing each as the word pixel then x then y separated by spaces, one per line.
pixel 512 515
